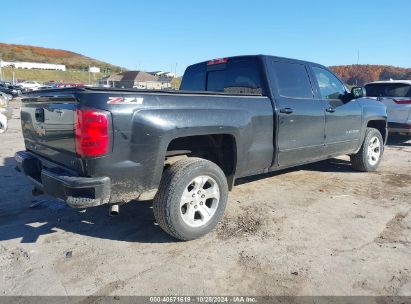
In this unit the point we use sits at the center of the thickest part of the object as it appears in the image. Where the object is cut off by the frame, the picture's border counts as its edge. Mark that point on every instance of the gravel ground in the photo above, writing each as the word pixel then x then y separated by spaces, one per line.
pixel 321 229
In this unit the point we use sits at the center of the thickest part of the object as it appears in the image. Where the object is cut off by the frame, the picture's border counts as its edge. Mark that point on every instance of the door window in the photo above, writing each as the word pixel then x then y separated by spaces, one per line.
pixel 330 86
pixel 292 80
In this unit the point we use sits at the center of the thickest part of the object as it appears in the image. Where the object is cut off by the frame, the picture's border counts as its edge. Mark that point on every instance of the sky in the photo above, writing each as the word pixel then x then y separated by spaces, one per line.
pixel 169 35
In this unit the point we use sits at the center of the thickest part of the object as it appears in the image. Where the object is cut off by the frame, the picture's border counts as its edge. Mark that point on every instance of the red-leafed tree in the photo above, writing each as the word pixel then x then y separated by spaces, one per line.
pixel 361 74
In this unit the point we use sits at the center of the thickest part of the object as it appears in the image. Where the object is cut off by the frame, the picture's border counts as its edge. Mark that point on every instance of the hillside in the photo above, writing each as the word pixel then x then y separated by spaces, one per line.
pixel 363 73
pixel 73 61
pixel 71 76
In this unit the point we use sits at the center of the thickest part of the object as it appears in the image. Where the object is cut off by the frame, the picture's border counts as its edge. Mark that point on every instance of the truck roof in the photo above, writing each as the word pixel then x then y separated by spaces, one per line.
pixel 263 56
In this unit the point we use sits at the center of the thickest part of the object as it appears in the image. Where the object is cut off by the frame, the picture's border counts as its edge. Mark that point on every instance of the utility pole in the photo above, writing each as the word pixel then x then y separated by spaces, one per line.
pixel 358 57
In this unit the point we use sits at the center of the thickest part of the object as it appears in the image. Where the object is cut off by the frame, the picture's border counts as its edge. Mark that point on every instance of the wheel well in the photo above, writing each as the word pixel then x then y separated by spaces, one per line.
pixel 380 125
pixel 218 148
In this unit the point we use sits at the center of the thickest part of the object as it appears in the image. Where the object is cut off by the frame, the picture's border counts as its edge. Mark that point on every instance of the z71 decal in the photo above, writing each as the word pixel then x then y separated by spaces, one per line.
pixel 124 100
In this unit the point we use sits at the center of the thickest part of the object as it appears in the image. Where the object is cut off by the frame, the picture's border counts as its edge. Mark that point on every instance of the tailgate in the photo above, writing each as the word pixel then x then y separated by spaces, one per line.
pixel 397 112
pixel 48 128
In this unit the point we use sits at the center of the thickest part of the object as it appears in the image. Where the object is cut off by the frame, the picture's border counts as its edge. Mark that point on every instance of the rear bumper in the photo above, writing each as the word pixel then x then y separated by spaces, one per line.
pixel 396 127
pixel 58 182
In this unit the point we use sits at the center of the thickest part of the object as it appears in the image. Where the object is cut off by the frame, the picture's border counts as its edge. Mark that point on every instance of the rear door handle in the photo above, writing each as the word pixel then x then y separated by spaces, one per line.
pixel 286 110
pixel 330 110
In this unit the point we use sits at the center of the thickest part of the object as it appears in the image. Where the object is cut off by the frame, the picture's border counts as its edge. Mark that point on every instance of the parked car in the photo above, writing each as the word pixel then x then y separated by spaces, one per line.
pixel 69 85
pixel 43 87
pixel 5 105
pixel 51 83
pixel 234 117
pixel 396 95
pixel 7 96
pixel 16 88
pixel 10 89
pixel 29 85
pixel 6 112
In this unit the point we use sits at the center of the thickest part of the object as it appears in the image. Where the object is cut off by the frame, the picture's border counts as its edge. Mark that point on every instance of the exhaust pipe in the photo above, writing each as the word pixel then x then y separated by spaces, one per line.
pixel 114 210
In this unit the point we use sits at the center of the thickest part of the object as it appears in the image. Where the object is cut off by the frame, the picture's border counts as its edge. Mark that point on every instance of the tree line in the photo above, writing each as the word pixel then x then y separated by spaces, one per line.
pixel 361 74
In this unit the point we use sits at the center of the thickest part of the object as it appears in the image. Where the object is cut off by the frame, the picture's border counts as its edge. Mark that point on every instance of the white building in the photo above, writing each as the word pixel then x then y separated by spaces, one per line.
pixel 33 65
pixel 163 74
pixel 94 69
pixel 134 79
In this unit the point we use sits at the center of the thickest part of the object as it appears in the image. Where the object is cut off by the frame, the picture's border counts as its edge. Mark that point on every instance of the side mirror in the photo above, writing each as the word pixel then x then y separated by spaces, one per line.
pixel 358 92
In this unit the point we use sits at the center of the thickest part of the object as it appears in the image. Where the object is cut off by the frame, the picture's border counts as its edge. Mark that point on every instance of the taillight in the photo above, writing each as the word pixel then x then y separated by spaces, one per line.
pixel 217 61
pixel 402 101
pixel 91 128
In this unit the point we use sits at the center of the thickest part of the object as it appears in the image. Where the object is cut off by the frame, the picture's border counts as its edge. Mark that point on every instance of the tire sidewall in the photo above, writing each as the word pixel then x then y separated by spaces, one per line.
pixel 370 134
pixel 191 172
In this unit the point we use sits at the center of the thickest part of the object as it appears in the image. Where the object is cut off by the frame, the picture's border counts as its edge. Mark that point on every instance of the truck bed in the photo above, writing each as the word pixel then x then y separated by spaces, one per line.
pixel 134 91
pixel 142 125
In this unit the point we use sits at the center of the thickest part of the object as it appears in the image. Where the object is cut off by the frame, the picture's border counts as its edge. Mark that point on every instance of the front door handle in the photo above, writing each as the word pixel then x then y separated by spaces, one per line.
pixel 330 110
pixel 286 110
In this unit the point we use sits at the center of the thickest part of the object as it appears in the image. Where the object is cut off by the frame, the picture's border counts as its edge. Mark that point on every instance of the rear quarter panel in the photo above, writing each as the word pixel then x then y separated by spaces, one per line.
pixel 142 133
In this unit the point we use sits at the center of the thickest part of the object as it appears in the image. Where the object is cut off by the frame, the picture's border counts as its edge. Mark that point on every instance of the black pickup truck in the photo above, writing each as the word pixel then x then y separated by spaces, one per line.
pixel 233 117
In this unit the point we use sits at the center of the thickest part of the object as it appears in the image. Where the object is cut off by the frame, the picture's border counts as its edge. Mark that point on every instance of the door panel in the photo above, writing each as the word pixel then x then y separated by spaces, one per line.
pixel 342 117
pixel 301 118
pixel 301 133
pixel 342 127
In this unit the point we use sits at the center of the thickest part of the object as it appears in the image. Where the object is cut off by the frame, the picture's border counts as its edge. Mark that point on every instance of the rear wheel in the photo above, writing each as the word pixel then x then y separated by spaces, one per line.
pixel 369 156
pixel 191 199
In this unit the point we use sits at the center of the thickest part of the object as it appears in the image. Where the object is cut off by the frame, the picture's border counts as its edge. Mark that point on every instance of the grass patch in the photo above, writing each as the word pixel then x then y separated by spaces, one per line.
pixel 43 76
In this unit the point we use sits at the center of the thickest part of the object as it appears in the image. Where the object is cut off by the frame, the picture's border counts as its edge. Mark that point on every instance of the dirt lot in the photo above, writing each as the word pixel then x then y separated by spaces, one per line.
pixel 320 229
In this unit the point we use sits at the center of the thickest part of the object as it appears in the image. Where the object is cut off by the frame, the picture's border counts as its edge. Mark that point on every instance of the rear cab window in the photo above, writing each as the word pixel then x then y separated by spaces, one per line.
pixel 388 90
pixel 232 76
pixel 194 78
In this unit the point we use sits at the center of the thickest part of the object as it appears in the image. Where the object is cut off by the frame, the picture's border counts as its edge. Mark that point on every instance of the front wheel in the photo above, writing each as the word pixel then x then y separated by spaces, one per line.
pixel 191 199
pixel 369 156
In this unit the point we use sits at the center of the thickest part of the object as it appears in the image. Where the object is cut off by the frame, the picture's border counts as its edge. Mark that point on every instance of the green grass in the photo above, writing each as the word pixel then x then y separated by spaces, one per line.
pixel 43 76
pixel 73 61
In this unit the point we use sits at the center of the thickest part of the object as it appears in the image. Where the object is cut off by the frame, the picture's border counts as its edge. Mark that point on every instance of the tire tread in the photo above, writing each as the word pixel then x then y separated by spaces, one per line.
pixel 162 202
pixel 359 160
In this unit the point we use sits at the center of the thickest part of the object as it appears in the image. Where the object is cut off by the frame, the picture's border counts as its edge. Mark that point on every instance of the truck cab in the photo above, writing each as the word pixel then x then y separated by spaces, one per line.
pixel 314 115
